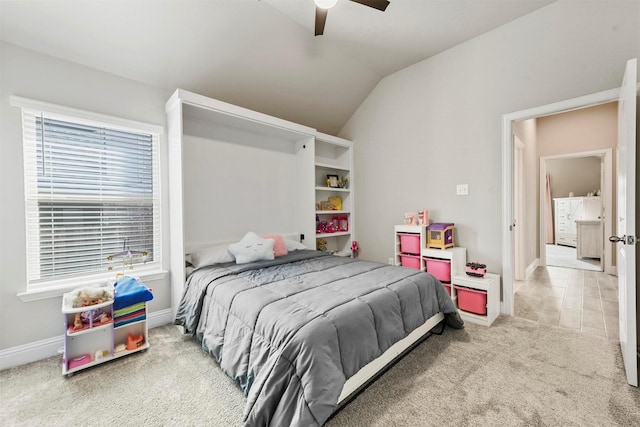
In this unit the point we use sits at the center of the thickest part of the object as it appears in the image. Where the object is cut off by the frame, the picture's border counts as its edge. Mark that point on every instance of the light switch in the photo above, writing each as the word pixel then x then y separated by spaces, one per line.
pixel 462 189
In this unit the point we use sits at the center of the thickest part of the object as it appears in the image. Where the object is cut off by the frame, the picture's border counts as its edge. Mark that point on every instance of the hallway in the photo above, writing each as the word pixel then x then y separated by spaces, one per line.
pixel 577 299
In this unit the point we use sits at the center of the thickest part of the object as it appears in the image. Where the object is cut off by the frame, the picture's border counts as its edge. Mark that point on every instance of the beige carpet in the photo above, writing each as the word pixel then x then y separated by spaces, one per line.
pixel 516 373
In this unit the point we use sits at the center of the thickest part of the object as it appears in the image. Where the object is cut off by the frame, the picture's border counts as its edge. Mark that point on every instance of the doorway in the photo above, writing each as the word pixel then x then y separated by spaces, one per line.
pixel 581 182
pixel 562 289
pixel 508 122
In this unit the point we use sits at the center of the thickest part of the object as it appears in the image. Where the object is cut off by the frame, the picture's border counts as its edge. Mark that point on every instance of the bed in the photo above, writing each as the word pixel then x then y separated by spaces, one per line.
pixel 301 332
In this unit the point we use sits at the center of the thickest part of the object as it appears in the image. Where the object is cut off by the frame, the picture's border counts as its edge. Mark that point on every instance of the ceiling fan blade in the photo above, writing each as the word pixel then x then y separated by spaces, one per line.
pixel 321 18
pixel 376 4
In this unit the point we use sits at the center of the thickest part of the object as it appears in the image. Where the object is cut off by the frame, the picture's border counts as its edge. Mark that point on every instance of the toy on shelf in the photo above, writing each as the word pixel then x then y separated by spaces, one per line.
pixel 354 249
pixel 335 203
pixel 343 223
pixel 475 269
pixel 440 235
pixel 321 245
pixel 87 297
pixel 410 218
pixel 423 217
pixel 343 182
pixel 134 341
pixel 326 227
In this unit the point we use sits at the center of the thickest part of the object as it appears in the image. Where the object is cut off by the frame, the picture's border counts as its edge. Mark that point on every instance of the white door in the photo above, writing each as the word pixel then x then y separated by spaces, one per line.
pixel 518 209
pixel 626 223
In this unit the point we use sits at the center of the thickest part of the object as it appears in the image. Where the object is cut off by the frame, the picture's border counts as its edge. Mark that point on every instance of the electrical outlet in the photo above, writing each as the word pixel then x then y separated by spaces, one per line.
pixel 391 261
pixel 462 190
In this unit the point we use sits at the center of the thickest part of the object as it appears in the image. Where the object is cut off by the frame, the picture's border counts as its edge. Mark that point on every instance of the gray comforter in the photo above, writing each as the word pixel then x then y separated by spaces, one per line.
pixel 291 331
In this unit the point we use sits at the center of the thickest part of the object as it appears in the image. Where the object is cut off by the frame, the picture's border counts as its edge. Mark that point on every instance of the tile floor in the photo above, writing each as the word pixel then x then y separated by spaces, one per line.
pixel 578 299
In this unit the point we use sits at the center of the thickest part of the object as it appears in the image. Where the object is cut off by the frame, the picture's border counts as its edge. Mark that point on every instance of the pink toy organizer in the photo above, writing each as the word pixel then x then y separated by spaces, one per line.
pixel 409 243
pixel 472 300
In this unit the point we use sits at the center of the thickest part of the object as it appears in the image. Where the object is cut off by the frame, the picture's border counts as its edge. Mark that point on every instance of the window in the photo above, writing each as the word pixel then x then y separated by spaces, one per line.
pixel 91 190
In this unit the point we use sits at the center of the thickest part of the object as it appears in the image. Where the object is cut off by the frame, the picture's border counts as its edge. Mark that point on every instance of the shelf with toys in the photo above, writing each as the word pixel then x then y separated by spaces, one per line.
pixel 431 247
pixel 334 195
pixel 103 323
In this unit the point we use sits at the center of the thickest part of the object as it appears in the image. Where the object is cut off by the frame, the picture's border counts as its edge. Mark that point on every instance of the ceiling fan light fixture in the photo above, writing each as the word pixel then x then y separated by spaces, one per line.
pixel 325 4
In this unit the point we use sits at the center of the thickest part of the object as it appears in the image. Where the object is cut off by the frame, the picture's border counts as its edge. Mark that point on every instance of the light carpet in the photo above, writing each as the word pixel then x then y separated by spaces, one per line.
pixel 515 373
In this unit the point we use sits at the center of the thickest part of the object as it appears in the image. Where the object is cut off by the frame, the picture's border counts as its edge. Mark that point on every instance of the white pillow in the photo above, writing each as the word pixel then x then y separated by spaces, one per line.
pixel 217 254
pixel 293 245
pixel 252 248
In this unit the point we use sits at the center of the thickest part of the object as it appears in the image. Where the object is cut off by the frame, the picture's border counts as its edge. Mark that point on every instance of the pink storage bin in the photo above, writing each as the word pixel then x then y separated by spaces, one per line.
pixel 409 243
pixel 440 268
pixel 447 287
pixel 472 300
pixel 411 261
pixel 79 361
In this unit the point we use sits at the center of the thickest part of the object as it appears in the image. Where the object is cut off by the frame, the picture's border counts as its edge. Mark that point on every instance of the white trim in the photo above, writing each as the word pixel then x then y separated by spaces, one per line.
pixel 531 268
pixel 20 102
pixel 38 350
pixel 57 291
pixel 507 174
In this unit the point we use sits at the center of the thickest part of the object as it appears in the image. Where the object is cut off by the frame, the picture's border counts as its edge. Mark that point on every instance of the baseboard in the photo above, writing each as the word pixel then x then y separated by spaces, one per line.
pixel 38 350
pixel 531 268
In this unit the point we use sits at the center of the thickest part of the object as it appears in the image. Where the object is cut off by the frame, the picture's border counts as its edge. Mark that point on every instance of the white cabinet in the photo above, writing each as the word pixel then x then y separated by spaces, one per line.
pixel 334 193
pixel 589 239
pixel 568 210
pixel 104 334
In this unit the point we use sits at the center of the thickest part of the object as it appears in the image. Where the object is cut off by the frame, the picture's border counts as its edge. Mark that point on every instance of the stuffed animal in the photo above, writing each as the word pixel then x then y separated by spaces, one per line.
pixel 321 245
pixel 87 297
pixel 91 296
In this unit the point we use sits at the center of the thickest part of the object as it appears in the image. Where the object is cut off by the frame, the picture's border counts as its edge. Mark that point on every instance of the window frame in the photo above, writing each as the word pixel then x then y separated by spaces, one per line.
pixel 44 288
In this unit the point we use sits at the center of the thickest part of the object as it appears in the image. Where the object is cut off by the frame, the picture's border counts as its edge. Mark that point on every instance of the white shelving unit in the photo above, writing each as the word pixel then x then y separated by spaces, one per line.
pixel 418 230
pixel 334 156
pixel 97 343
pixel 490 283
pixel 457 256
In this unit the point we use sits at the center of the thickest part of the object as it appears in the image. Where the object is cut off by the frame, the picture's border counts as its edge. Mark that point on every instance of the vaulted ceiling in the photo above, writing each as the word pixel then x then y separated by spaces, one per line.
pixel 259 54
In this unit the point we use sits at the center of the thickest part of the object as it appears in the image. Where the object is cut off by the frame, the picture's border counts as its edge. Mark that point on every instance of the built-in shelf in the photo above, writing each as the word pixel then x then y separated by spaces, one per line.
pixel 333 156
pixel 339 190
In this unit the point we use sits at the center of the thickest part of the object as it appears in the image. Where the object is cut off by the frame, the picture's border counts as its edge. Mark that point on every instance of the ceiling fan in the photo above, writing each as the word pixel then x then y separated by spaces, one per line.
pixel 323 6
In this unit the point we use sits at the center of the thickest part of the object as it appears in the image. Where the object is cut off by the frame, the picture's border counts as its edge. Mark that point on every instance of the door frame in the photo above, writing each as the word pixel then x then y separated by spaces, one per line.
pixel 507 177
pixel 518 221
pixel 606 188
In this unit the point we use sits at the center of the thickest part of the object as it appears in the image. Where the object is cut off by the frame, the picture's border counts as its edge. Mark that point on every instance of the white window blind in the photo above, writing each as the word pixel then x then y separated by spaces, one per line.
pixel 89 187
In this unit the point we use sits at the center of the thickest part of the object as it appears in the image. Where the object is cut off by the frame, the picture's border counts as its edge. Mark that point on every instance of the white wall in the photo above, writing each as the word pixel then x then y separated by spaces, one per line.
pixel 579 176
pixel 32 75
pixel 230 188
pixel 437 123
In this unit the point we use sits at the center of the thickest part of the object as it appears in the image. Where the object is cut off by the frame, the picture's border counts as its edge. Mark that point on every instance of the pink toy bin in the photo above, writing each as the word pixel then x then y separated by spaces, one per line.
pixel 409 243
pixel 79 361
pixel 440 268
pixel 472 300
pixel 411 261
pixel 447 287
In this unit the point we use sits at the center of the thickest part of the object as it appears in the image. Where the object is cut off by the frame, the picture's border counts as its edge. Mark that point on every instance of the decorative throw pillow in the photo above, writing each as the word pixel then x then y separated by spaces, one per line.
pixel 217 254
pixel 252 248
pixel 293 245
pixel 279 247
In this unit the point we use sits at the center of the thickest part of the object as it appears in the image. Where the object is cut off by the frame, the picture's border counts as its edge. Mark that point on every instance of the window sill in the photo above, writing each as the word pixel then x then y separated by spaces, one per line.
pixel 57 291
